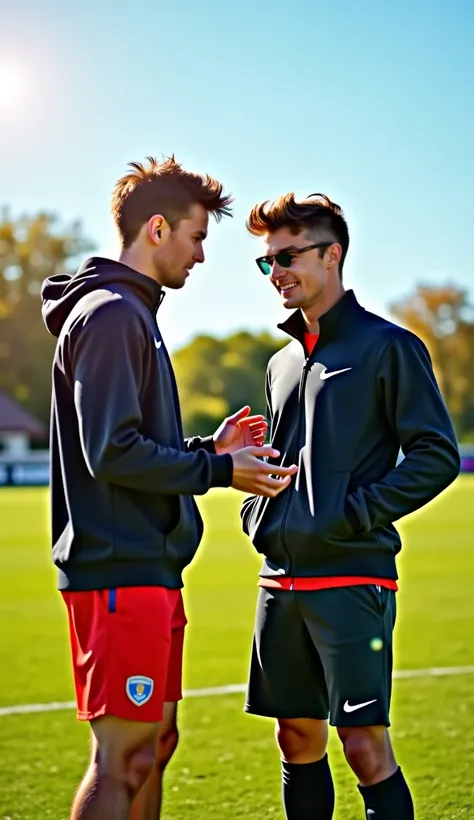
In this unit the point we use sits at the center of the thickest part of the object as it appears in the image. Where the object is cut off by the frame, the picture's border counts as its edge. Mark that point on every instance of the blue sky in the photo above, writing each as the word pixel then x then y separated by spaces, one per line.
pixel 369 102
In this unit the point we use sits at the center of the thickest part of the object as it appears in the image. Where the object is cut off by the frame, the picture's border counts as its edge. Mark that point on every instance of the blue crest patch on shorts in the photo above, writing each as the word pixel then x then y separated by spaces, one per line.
pixel 139 689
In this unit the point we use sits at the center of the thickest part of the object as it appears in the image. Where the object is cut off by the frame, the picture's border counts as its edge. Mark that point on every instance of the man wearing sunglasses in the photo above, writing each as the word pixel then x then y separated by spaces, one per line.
pixel 347 392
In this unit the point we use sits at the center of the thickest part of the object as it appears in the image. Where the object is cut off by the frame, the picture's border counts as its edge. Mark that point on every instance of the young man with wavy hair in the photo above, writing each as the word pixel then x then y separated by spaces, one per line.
pixel 344 396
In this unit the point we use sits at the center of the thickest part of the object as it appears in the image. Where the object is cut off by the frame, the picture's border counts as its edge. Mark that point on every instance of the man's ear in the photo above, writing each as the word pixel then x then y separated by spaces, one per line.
pixel 334 253
pixel 158 229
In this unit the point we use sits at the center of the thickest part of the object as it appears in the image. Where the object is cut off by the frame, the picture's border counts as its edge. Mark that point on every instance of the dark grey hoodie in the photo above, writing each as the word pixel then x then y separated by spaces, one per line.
pixel 122 475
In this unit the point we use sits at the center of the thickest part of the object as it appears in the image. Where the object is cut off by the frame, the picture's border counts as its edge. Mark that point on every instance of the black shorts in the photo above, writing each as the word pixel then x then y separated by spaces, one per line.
pixel 323 654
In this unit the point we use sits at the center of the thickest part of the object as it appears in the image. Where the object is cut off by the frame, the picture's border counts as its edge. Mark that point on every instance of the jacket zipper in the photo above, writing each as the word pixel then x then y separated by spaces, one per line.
pixel 174 389
pixel 302 385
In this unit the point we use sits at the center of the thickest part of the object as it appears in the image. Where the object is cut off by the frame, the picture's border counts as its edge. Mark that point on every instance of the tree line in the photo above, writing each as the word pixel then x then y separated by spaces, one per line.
pixel 215 376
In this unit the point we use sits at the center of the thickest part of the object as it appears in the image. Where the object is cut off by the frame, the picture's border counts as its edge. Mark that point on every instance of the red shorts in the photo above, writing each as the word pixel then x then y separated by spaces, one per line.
pixel 127 651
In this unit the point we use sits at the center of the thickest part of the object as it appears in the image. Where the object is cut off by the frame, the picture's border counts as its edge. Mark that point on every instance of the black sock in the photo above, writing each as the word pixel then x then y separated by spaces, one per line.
pixel 308 790
pixel 388 800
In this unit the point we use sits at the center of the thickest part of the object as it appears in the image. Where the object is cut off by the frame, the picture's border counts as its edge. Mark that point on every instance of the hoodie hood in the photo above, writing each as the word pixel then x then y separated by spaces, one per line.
pixel 60 293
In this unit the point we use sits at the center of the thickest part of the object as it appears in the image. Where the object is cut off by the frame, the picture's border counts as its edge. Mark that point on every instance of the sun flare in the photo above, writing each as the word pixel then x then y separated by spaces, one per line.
pixel 12 85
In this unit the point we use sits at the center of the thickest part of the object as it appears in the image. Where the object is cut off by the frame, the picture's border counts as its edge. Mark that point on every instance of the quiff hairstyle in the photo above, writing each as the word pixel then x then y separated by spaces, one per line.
pixel 313 214
pixel 164 188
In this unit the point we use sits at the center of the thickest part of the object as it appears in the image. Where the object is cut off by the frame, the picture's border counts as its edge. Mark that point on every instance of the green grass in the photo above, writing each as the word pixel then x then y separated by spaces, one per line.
pixel 227 765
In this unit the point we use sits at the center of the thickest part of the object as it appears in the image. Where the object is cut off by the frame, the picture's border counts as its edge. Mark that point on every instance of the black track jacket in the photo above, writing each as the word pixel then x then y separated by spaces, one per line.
pixel 342 414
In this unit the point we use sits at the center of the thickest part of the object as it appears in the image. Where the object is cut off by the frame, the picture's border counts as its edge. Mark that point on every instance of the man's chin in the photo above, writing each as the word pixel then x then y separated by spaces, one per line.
pixel 181 279
pixel 292 304
pixel 175 283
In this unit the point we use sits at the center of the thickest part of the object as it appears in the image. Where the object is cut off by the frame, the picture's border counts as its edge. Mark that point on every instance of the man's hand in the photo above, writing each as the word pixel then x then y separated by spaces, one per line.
pixel 254 476
pixel 240 430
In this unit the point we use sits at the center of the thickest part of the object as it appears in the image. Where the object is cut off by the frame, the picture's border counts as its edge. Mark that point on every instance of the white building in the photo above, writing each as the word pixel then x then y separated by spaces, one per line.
pixel 17 429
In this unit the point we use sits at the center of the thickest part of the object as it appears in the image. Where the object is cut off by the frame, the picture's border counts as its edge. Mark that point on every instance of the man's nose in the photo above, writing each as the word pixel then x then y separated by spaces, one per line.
pixel 199 255
pixel 276 273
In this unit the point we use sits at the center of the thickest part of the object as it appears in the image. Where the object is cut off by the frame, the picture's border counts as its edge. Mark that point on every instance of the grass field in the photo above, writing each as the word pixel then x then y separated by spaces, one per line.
pixel 227 765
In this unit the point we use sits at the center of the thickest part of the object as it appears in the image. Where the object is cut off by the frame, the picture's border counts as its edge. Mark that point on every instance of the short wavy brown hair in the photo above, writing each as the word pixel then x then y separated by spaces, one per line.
pixel 164 188
pixel 315 212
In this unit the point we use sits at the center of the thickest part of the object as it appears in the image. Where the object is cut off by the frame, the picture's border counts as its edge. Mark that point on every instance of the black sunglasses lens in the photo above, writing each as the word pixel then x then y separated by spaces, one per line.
pixel 265 263
pixel 284 259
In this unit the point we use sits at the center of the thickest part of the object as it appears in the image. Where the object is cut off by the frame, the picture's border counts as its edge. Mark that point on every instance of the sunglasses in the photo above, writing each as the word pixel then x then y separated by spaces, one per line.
pixel 285 258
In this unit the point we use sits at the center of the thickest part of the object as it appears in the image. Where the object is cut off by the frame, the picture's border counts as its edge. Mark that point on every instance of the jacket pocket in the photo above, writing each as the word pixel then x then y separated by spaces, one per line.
pixel 319 510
